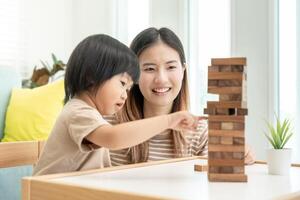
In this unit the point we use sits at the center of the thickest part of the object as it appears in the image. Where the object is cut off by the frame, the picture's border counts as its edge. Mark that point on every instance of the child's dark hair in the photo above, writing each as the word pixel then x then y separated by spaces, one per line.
pixel 96 59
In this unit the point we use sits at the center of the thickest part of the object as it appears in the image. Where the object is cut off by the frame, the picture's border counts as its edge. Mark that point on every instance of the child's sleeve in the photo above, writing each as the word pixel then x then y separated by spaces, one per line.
pixel 81 124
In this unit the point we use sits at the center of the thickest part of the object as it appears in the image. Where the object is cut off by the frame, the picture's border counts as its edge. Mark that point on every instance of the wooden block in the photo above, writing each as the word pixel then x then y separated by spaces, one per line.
pixel 226 170
pixel 238 140
pixel 225 162
pixel 239 170
pixel 213 169
pixel 225 111
pixel 230 83
pixel 220 111
pixel 213 68
pixel 213 83
pixel 227 140
pixel 229 61
pixel 216 177
pixel 225 68
pixel 238 155
pixel 224 90
pixel 200 168
pixel 238 68
pixel 214 125
pixel 221 118
pixel 232 126
pixel 225 76
pixel 239 126
pixel 213 140
pixel 230 97
pixel 227 125
pixel 228 133
pixel 226 104
pixel 209 111
pixel 226 148
pixel 214 155
pixel 242 111
pixel 226 155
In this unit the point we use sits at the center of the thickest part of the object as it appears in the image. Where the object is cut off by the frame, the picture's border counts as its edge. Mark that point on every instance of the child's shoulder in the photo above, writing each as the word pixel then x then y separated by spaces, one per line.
pixel 77 107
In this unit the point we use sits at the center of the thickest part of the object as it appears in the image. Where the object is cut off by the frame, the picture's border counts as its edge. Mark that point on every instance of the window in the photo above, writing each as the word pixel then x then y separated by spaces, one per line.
pixel 12 30
pixel 137 24
pixel 289 74
pixel 209 37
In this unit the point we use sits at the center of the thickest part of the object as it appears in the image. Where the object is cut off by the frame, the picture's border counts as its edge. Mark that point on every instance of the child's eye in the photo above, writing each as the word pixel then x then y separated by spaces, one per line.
pixel 123 83
pixel 149 69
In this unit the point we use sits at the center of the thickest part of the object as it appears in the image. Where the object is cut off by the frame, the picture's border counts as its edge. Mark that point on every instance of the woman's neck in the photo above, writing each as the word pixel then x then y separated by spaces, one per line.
pixel 151 110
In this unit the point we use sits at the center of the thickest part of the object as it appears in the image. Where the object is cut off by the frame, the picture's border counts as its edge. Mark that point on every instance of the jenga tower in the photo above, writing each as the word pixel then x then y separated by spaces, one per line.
pixel 226 120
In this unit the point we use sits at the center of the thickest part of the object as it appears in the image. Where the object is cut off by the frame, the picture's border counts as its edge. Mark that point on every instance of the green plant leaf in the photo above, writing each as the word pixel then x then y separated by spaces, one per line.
pixel 270 140
pixel 286 140
pixel 275 137
pixel 280 133
pixel 54 58
pixel 286 127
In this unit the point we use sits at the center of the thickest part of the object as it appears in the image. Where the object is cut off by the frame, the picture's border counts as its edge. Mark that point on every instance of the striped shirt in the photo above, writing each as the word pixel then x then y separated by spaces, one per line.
pixel 161 146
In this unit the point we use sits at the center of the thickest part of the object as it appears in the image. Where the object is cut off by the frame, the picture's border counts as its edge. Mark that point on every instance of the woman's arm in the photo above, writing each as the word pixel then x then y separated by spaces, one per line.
pixel 249 156
pixel 132 133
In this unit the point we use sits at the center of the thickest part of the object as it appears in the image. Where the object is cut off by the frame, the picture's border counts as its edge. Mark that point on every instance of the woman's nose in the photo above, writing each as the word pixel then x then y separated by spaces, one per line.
pixel 161 76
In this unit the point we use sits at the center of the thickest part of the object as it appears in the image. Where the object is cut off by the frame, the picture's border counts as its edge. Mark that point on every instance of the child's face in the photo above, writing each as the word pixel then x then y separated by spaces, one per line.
pixel 161 75
pixel 111 95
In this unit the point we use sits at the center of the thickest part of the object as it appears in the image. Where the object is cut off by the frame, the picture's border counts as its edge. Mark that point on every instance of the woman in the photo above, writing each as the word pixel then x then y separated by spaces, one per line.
pixel 162 89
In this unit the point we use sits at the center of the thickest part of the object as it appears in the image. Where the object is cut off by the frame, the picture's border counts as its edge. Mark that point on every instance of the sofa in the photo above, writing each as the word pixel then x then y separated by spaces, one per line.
pixel 10 177
pixel 26 120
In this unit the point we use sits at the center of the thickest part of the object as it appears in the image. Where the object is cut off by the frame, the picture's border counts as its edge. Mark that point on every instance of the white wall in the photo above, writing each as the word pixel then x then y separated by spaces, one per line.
pixel 250 38
pixel 167 13
pixel 55 26
pixel 48 30
pixel 91 17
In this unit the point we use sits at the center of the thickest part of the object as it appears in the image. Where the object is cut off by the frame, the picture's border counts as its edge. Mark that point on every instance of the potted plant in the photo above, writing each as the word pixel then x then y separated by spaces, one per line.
pixel 279 158
pixel 42 75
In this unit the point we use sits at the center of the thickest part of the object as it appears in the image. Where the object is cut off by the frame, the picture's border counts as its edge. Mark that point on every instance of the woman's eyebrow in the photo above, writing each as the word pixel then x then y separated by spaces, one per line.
pixel 148 64
pixel 171 61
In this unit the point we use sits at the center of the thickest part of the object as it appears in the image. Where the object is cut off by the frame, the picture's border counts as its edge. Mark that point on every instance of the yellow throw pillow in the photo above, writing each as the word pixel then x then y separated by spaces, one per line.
pixel 31 113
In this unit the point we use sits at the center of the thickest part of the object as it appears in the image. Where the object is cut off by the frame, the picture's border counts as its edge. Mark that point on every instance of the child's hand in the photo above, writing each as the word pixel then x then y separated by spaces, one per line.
pixel 184 120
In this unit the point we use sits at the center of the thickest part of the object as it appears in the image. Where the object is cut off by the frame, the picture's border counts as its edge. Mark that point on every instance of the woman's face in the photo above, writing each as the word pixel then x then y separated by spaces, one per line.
pixel 161 74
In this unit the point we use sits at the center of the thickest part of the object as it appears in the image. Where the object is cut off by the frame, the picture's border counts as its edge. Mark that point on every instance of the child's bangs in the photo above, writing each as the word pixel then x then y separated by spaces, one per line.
pixel 128 63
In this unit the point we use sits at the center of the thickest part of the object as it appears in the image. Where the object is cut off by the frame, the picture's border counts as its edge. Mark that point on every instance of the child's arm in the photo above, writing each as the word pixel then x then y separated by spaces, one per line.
pixel 132 133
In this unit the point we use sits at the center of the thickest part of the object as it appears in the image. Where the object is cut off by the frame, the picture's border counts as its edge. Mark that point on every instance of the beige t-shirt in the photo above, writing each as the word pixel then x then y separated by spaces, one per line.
pixel 67 149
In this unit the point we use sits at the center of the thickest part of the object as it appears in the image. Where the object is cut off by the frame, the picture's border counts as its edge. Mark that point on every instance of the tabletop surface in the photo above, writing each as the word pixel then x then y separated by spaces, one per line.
pixel 179 181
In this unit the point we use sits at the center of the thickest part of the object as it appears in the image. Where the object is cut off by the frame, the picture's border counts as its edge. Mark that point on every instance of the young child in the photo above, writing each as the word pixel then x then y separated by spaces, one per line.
pixel 99 73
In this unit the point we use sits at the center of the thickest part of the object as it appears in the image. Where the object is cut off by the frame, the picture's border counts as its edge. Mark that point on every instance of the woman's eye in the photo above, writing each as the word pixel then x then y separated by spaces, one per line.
pixel 172 67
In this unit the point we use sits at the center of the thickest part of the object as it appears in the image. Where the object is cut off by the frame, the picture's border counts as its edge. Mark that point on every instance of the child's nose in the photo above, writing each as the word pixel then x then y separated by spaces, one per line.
pixel 124 95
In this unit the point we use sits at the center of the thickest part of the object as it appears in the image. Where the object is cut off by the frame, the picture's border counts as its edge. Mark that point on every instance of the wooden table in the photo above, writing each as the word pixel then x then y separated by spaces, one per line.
pixel 172 179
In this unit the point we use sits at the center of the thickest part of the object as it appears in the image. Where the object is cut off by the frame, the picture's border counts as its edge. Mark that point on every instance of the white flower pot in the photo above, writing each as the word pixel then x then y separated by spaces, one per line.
pixel 279 161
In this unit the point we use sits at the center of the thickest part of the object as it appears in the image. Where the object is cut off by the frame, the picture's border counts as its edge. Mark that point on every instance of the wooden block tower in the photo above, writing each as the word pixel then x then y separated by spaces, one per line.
pixel 226 120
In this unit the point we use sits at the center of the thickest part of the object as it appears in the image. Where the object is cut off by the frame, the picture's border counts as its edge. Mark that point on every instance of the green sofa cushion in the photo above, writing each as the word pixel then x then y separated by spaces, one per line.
pixel 9 78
